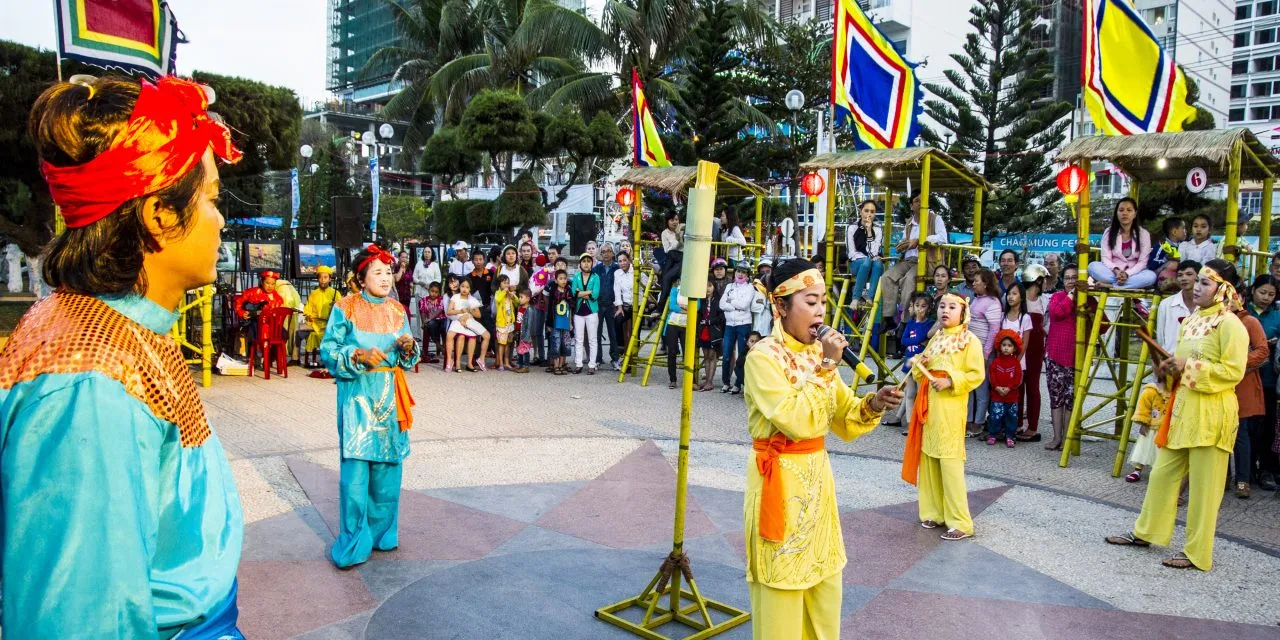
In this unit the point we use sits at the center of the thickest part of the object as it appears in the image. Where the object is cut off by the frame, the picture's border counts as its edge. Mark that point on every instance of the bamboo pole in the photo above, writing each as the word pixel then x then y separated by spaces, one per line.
pixel 922 254
pixel 1264 233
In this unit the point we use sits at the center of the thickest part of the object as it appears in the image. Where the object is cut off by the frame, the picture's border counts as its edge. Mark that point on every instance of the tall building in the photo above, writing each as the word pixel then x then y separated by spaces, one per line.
pixel 1197 34
pixel 357 30
pixel 1255 70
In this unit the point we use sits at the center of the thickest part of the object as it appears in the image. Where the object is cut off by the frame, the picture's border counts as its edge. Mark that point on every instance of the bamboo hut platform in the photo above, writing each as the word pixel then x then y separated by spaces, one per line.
pixel 894 166
pixel 1212 151
pixel 678 179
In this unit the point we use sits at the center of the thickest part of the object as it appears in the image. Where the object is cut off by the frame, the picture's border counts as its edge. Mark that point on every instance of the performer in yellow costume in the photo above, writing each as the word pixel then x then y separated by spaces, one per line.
pixel 794 395
pixel 935 441
pixel 1197 436
pixel 319 306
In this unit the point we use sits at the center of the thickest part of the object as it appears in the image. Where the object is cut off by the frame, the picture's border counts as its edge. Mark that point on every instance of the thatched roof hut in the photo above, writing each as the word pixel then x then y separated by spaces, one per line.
pixel 1138 155
pixel 677 180
pixel 895 166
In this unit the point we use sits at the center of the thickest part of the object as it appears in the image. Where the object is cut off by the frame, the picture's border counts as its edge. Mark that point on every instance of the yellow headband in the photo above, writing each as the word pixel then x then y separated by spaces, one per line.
pixel 1227 293
pixel 798 282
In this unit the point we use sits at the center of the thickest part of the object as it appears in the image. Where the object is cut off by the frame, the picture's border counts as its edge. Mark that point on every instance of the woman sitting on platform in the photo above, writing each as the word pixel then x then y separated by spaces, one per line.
pixel 1197 436
pixel 1126 246
pixel 368 346
pixel 794 395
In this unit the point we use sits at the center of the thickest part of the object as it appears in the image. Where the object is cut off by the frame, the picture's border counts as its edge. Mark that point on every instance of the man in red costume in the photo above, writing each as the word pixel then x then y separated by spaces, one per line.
pixel 256 300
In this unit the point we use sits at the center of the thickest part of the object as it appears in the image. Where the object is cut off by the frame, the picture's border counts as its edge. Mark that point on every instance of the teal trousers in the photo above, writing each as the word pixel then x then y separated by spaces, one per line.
pixel 368 510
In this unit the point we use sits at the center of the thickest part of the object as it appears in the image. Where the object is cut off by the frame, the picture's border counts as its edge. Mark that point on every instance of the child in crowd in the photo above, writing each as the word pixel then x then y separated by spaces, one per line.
pixel 1016 318
pixel 504 318
pixel 753 339
pixel 1148 416
pixel 1005 376
pixel 1164 260
pixel 523 345
pixel 951 366
pixel 915 333
pixel 466 328
pixel 561 300
pixel 451 290
pixel 1201 246
pixel 542 280
pixel 673 335
pixel 1033 278
pixel 431 312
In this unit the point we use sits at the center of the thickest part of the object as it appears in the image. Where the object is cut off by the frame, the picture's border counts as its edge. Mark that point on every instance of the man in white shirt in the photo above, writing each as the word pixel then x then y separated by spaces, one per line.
pixel 1177 307
pixel 899 281
pixel 461 264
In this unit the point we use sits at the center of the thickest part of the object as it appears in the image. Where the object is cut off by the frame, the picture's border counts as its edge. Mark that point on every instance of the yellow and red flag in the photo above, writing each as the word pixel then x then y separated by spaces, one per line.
pixel 1131 84
pixel 648 144
pixel 135 35
pixel 872 85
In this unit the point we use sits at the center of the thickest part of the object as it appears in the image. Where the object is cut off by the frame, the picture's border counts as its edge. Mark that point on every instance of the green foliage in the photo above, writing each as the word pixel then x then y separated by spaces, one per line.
pixel 1203 120
pixel 607 140
pixel 707 116
pixel 265 123
pixel 453 219
pixel 993 106
pixel 447 156
pixel 26 210
pixel 402 218
pixel 520 205
pixel 500 123
pixel 568 133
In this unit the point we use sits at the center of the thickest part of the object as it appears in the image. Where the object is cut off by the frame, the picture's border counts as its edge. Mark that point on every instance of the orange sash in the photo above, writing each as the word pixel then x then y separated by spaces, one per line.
pixel 773 521
pixel 404 400
pixel 915 432
pixel 1162 436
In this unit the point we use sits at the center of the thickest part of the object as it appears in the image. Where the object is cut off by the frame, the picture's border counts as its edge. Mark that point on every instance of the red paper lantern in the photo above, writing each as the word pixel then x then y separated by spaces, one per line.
pixel 626 197
pixel 1071 181
pixel 812 185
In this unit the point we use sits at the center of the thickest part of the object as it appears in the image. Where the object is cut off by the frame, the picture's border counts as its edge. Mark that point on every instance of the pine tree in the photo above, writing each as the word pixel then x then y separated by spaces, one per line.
pixel 997 109
pixel 708 114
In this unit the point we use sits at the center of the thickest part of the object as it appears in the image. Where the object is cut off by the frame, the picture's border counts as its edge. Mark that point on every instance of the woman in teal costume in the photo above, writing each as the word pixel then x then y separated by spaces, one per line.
pixel 120 516
pixel 368 346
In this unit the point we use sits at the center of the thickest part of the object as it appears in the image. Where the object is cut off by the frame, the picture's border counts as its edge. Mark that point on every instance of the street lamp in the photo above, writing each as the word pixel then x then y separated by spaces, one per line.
pixel 306 151
pixel 794 102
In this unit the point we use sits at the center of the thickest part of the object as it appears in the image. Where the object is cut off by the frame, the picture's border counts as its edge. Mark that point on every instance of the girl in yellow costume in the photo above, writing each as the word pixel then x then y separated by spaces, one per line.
pixel 935 442
pixel 1198 434
pixel 795 552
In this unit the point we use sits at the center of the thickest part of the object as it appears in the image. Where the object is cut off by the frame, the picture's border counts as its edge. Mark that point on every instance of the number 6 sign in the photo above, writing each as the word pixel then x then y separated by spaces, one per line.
pixel 1197 180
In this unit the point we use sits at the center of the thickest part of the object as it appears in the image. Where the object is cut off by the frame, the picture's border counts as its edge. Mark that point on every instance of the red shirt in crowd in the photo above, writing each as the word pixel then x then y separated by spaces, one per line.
pixel 1006 371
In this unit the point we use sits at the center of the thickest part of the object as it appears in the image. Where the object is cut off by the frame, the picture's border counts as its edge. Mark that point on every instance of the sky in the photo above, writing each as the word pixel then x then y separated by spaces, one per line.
pixel 279 42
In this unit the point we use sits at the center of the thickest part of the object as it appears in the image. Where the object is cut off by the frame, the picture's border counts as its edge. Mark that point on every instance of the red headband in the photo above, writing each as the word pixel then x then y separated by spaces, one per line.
pixel 376 253
pixel 166 137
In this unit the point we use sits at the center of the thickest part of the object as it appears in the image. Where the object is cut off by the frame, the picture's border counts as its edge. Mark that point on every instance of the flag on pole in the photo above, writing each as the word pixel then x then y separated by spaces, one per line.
pixel 648 144
pixel 1131 85
pixel 375 186
pixel 295 199
pixel 872 85
pixel 135 35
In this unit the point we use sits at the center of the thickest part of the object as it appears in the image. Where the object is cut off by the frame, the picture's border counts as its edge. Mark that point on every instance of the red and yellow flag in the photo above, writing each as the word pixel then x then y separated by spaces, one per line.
pixel 648 144
pixel 135 35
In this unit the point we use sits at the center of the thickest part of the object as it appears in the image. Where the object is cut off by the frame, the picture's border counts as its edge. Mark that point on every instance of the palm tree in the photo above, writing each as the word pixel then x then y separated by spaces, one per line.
pixel 525 43
pixel 438 31
pixel 652 37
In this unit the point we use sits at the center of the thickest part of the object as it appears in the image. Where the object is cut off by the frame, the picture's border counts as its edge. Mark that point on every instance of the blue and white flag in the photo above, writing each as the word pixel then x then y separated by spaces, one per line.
pixel 296 199
pixel 373 183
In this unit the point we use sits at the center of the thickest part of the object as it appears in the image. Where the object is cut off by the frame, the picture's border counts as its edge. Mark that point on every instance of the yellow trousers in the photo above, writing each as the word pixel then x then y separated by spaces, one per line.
pixel 797 614
pixel 1208 469
pixel 943 497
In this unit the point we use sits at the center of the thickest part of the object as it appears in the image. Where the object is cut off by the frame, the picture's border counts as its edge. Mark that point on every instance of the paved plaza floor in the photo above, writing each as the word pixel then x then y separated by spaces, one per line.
pixel 532 500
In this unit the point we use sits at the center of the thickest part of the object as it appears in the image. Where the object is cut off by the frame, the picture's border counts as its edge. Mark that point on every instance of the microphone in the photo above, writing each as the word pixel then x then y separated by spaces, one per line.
pixel 850 358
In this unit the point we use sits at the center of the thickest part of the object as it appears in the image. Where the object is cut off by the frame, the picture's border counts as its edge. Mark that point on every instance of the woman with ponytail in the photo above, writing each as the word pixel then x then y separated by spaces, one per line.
pixel 121 515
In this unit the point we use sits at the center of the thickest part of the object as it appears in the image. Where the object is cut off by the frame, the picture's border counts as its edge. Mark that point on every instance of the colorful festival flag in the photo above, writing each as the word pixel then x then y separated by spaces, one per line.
pixel 872 85
pixel 1131 85
pixel 135 35
pixel 648 144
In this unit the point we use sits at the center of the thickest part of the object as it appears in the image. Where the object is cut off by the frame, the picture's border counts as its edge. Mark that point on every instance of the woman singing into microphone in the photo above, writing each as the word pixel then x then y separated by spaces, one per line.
pixel 367 346
pixel 795 552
